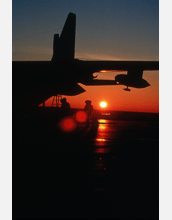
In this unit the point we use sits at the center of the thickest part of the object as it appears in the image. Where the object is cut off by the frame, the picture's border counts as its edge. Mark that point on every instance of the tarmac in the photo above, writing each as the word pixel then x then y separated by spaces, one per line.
pixel 105 169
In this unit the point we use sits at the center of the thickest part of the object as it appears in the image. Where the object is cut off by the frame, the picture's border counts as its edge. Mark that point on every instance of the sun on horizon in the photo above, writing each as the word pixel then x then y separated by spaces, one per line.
pixel 103 104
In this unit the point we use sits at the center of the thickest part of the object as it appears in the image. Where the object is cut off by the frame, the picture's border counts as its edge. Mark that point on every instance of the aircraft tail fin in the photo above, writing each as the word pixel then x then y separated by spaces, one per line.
pixel 64 46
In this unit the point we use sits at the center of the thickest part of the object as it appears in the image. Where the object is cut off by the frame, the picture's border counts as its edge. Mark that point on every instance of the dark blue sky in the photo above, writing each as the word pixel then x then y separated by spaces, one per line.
pixel 106 29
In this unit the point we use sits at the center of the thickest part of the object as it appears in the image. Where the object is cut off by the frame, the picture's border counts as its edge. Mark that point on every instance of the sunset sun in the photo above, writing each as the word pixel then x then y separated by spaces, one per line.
pixel 103 104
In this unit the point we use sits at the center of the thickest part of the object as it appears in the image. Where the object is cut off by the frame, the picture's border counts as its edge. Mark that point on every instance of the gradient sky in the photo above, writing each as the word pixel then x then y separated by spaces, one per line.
pixel 105 30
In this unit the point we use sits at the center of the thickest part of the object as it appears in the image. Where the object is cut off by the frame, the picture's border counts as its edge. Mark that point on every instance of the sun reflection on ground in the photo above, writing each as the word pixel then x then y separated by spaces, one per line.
pixel 101 150
pixel 102 127
pixel 100 139
pixel 102 121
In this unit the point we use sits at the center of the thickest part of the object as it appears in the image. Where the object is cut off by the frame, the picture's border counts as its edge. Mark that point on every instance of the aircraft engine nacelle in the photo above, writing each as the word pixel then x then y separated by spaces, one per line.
pixel 123 79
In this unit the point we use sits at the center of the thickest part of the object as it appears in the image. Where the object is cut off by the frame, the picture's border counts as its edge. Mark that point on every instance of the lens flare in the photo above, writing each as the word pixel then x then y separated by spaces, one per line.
pixel 81 116
pixel 103 104
pixel 67 124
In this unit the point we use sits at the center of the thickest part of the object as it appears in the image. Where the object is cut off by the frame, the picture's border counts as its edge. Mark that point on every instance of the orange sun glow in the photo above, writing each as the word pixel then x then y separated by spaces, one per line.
pixel 103 104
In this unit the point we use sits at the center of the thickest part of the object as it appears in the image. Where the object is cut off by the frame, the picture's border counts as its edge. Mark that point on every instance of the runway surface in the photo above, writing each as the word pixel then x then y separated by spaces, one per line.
pixel 108 169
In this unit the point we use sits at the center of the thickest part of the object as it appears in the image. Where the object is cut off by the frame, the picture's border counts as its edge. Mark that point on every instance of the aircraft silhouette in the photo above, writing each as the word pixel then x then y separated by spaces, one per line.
pixel 33 82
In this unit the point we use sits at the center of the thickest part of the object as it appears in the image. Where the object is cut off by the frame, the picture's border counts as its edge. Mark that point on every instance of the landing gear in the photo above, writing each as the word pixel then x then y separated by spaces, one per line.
pixel 127 89
pixel 56 101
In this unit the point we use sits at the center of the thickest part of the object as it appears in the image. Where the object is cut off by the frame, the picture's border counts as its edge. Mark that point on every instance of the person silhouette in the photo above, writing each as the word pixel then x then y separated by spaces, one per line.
pixel 88 108
pixel 65 107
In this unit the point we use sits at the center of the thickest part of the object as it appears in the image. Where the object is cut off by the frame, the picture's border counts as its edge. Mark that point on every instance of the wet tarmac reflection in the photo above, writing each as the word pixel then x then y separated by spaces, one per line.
pixel 107 170
pixel 103 142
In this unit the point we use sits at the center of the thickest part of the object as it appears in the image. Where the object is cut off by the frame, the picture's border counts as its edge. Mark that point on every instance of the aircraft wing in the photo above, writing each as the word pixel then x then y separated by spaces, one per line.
pixel 37 95
pixel 134 72
pixel 97 66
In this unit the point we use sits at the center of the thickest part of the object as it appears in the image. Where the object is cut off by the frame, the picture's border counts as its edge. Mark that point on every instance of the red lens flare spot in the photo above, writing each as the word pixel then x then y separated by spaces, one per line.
pixel 67 124
pixel 81 116
pixel 103 104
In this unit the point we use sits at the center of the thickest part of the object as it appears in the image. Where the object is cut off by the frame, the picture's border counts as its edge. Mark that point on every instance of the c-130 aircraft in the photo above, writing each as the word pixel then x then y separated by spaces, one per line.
pixel 33 82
